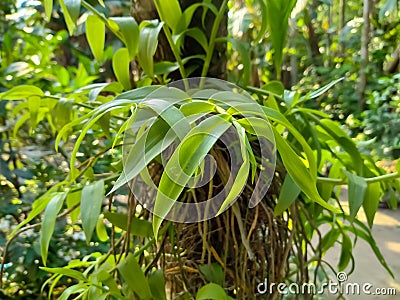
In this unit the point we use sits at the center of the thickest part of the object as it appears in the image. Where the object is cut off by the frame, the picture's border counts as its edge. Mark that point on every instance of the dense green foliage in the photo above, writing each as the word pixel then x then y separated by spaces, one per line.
pixel 63 118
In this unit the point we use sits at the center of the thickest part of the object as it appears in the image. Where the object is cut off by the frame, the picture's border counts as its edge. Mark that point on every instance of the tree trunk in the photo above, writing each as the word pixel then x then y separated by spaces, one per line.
pixel 145 10
pixel 342 22
pixel 247 246
pixel 364 53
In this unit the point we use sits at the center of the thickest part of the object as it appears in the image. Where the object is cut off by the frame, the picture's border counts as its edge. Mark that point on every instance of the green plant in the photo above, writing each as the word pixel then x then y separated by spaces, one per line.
pixel 315 156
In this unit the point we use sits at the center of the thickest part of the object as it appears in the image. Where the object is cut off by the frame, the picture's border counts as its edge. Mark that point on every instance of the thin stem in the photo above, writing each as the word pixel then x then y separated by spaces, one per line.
pixel 340 181
pixel 175 51
pixel 213 37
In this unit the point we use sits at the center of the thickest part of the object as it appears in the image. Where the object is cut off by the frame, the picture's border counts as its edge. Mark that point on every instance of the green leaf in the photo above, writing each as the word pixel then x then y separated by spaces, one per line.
pixel 151 143
pixel 264 22
pixel 243 173
pixel 21 92
pixel 187 157
pixel 66 272
pixel 274 87
pixel 73 199
pixel 91 201
pixel 170 12
pixel 139 227
pixel 48 8
pixel 366 235
pixel 134 277
pixel 288 194
pixel 148 42
pixel 356 192
pixel 74 289
pixel 157 285
pixel 298 171
pixel 281 119
pixel 346 252
pixel 130 33
pixel 211 291
pixel 96 34
pixel 49 220
pixel 71 10
pixel 34 105
pixel 325 88
pixel 187 15
pixel 277 15
pixel 213 273
pixel 199 36
pixel 120 63
pixel 329 239
pixel 371 201
pixel 101 229
pixel 138 94
pixel 38 206
pixel 345 142
pixel 165 67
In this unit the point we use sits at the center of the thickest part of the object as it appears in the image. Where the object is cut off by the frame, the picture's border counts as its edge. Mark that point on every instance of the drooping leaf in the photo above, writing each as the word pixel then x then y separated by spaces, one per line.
pixel 387 8
pixel 364 233
pixel 66 272
pixel 21 92
pixel 298 171
pixel 157 285
pixel 274 87
pixel 34 106
pixel 38 206
pixel 134 277
pixel 243 173
pixel 139 227
pixel 325 88
pixel 49 221
pixel 288 194
pixel 188 156
pixel 130 32
pixel 371 201
pixel 346 252
pixel 91 201
pixel 73 199
pixel 95 34
pixel 148 42
pixel 101 230
pixel 278 12
pixel 71 10
pixel 356 192
pixel 120 63
pixel 48 8
pixel 169 11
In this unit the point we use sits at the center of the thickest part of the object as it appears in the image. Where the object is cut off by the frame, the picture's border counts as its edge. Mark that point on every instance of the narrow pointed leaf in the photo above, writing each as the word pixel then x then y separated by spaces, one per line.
pixel 91 201
pixel 356 192
pixel 95 34
pixel 288 194
pixel 49 221
pixel 120 63
pixel 134 277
